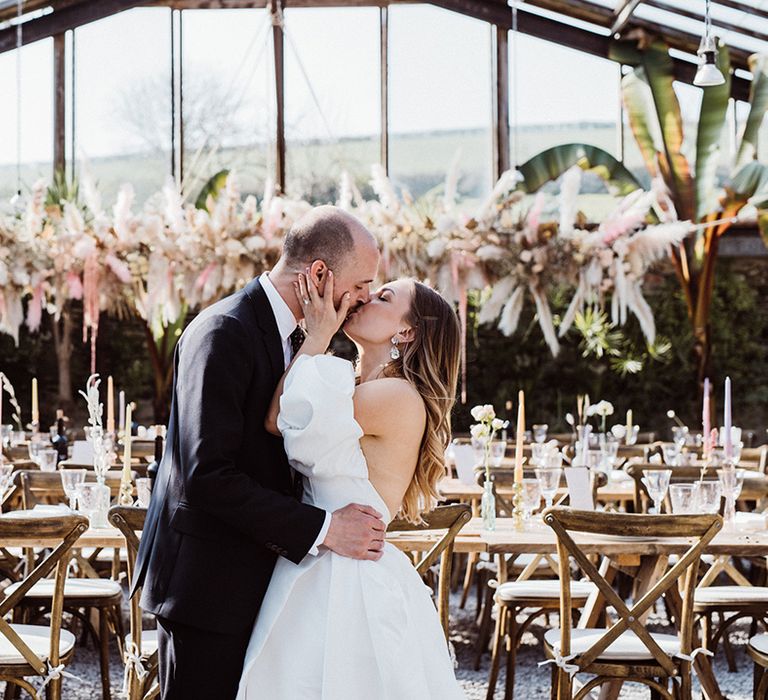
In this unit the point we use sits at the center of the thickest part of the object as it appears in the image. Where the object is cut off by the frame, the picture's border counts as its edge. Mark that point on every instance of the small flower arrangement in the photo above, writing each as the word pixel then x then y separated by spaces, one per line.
pixel 602 409
pixel 485 430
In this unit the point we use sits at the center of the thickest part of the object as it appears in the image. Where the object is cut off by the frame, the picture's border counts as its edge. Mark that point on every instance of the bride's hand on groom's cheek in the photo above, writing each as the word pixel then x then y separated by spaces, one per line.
pixel 357 532
pixel 321 318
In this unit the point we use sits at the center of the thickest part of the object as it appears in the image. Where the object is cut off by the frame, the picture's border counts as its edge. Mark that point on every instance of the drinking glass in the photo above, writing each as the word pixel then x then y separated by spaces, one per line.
pixel 680 436
pixel 17 437
pixel 553 459
pixel 531 497
pixel 498 449
pixel 657 483
pixel 5 435
pixel 47 458
pixel 6 479
pixel 70 480
pixel 609 452
pixel 93 499
pixel 683 498
pixel 731 480
pixel 708 494
pixel 671 452
pixel 34 447
pixel 549 482
pixel 143 491
pixel 540 432
pixel 478 447
pixel 538 453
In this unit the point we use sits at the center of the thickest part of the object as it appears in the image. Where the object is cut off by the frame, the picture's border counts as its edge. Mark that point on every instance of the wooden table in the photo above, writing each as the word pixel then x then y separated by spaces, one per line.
pixel 620 490
pixel 648 557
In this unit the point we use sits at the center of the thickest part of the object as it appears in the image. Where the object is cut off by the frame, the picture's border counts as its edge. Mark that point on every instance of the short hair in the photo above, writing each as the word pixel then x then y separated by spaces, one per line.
pixel 324 233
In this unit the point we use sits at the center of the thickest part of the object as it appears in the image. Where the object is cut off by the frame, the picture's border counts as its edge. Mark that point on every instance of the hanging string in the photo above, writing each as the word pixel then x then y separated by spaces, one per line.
pixel 516 130
pixel 19 4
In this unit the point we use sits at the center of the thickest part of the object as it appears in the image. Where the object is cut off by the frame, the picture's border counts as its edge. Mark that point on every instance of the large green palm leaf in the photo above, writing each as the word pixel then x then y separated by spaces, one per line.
pixel 553 162
pixel 758 100
pixel 712 119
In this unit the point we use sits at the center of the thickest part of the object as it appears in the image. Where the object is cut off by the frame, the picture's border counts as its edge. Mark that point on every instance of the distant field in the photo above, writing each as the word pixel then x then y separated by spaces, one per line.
pixel 418 162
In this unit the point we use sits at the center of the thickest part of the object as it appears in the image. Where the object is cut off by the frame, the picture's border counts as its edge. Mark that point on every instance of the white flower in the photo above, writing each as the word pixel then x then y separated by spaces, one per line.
pixel 619 431
pixel 479 431
pixel 602 408
pixel 483 413
pixel 498 424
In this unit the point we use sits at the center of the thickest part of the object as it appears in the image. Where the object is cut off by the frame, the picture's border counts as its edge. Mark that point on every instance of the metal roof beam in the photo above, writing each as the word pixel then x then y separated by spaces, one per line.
pixel 622 15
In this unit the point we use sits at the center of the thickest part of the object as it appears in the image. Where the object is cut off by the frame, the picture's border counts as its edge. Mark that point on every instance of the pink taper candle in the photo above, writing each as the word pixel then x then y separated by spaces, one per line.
pixel 519 438
pixel 110 405
pixel 727 421
pixel 705 417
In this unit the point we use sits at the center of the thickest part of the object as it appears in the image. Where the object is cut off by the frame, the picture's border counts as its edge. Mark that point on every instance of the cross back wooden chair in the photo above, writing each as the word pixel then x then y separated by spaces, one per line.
pixel 626 650
pixel 452 519
pixel 38 650
pixel 140 649
pixel 680 475
pixel 45 487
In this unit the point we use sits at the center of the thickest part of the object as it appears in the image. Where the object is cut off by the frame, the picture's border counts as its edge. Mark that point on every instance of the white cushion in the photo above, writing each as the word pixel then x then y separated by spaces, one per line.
pixel 731 594
pixel 627 647
pixel 106 554
pixel 73 587
pixel 38 639
pixel 515 590
pixel 760 643
pixel 148 642
pixel 708 559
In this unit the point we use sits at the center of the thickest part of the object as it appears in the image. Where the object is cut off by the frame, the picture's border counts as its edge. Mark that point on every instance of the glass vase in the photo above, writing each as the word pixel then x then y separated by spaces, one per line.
pixel 488 506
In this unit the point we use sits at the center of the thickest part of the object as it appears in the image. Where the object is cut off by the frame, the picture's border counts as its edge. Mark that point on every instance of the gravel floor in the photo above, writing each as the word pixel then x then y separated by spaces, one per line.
pixel 532 682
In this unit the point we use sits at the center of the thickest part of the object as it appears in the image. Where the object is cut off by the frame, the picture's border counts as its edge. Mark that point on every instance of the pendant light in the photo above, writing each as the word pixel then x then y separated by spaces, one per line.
pixel 708 74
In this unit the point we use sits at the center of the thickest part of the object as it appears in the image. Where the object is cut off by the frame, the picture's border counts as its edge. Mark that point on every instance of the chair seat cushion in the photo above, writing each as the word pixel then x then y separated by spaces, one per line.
pixel 517 590
pixel 521 561
pixel 107 554
pixel 628 647
pixel 760 643
pixel 731 594
pixel 73 588
pixel 148 642
pixel 38 639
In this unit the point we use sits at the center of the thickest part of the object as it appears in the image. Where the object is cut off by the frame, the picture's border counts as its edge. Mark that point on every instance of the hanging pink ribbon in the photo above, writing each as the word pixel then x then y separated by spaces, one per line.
pixel 91 280
pixel 35 308
pixel 75 285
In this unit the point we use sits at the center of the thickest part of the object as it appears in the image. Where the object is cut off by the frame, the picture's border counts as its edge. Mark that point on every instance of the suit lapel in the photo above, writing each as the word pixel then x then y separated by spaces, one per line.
pixel 266 320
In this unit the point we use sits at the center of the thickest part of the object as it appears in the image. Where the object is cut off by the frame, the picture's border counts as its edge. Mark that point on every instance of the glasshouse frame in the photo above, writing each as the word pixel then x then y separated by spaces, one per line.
pixel 595 26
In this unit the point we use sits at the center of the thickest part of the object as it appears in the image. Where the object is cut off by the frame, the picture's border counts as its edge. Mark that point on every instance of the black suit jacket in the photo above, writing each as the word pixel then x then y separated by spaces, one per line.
pixel 222 508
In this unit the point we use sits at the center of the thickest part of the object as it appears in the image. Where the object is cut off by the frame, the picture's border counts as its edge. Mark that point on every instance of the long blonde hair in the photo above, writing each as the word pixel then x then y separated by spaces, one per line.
pixel 430 362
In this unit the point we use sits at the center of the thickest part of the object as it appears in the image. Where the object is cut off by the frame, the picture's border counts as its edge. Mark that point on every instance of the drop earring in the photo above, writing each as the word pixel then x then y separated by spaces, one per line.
pixel 394 352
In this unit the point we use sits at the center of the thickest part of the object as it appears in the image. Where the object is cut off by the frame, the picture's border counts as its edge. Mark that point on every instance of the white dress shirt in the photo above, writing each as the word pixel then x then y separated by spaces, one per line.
pixel 286 324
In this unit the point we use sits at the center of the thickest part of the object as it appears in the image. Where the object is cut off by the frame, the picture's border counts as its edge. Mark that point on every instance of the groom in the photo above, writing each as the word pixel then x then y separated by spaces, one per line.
pixel 225 504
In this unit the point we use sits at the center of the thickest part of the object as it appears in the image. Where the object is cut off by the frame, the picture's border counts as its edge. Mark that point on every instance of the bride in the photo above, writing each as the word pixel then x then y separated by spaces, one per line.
pixel 335 628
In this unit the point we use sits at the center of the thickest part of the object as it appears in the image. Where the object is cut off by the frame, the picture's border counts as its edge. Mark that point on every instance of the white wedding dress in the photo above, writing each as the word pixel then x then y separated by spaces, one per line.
pixel 333 628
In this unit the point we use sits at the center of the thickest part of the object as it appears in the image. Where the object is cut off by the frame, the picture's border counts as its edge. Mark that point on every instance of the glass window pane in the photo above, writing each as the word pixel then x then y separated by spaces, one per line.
pixel 228 96
pixel 123 101
pixel 332 98
pixel 440 98
pixel 567 97
pixel 36 105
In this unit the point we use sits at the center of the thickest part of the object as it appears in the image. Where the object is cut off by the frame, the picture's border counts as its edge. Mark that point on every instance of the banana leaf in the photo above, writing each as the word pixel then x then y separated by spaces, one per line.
pixel 212 188
pixel 712 118
pixel 750 181
pixel 758 101
pixel 550 164
pixel 658 67
pixel 638 102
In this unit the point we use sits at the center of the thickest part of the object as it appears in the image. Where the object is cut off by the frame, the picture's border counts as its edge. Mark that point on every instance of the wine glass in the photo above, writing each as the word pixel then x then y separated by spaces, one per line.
pixel 498 450
pixel 531 497
pixel 47 458
pixel 549 482
pixel 671 452
pixel 731 480
pixel 70 480
pixel 657 483
pixel 680 436
pixel 540 432
pixel 144 491
pixel 34 446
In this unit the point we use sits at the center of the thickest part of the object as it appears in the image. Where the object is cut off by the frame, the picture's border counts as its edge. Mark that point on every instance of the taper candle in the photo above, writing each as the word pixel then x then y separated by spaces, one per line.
pixel 35 405
pixel 727 421
pixel 630 425
pixel 519 437
pixel 110 405
pixel 121 408
pixel 706 420
pixel 127 444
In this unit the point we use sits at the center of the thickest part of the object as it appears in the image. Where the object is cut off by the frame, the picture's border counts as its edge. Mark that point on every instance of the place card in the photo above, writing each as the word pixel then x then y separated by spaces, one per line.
pixel 579 488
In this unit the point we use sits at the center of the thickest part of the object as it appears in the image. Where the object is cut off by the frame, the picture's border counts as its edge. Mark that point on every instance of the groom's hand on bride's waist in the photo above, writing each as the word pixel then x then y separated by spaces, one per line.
pixel 356 531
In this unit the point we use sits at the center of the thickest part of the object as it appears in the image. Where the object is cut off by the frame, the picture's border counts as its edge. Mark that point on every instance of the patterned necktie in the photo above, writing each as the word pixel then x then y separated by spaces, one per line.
pixel 296 338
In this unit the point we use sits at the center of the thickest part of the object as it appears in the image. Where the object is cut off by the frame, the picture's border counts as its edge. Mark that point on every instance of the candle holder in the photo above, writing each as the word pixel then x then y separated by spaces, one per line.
pixel 125 498
pixel 518 513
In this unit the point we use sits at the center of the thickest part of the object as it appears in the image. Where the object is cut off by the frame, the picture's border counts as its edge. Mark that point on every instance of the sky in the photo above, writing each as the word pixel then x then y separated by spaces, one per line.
pixel 440 78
